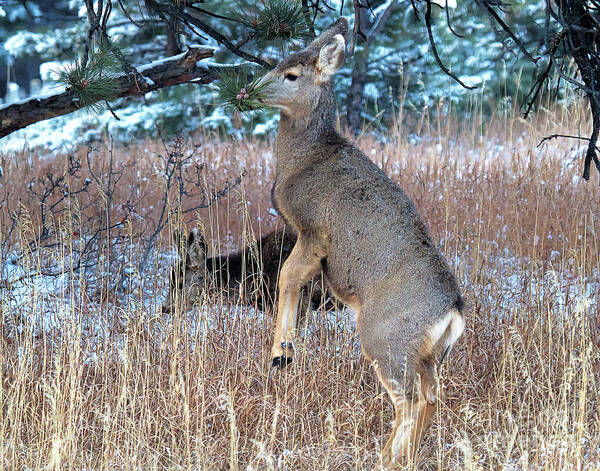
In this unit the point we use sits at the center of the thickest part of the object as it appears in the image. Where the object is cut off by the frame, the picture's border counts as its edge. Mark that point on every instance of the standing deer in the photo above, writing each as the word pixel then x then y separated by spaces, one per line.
pixel 249 276
pixel 362 230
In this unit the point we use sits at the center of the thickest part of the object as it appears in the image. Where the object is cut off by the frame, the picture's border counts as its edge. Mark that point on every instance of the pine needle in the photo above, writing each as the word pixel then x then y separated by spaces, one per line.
pixel 277 20
pixel 237 94
pixel 92 83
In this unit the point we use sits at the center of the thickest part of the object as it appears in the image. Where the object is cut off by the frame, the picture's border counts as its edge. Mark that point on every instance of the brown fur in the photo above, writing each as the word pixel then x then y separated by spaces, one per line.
pixel 248 276
pixel 365 233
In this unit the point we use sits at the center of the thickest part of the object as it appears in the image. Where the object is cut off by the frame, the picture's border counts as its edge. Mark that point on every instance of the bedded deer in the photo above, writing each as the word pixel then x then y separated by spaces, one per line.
pixel 364 233
pixel 248 276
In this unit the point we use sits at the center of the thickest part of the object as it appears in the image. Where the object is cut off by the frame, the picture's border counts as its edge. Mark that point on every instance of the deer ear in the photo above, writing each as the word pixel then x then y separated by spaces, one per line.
pixel 196 249
pixel 331 57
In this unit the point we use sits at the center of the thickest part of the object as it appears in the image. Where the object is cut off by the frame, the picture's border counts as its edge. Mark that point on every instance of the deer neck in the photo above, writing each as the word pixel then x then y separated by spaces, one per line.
pixel 301 137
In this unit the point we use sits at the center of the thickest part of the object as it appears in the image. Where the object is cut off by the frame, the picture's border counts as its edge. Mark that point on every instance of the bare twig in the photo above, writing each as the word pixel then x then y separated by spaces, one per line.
pixel 508 31
pixel 309 23
pixel 450 24
pixel 434 48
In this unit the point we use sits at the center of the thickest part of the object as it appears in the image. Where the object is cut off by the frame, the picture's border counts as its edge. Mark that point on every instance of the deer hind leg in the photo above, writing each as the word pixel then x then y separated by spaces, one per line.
pixel 413 413
pixel 303 263
pixel 414 404
pixel 412 420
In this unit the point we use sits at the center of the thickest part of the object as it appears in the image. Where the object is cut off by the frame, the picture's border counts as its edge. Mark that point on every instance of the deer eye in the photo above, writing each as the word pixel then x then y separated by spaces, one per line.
pixel 291 77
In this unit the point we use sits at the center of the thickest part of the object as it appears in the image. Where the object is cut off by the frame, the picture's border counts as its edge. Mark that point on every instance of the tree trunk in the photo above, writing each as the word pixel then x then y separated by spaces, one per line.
pixel 366 28
pixel 582 42
pixel 354 104
pixel 175 70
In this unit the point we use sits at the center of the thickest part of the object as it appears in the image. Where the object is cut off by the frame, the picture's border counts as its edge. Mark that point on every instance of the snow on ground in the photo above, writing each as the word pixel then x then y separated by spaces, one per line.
pixel 39 298
pixel 53 304
pixel 510 276
pixel 49 302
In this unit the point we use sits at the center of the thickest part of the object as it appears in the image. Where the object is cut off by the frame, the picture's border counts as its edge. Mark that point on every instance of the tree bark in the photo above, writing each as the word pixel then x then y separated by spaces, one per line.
pixel 360 50
pixel 175 70
pixel 582 41
pixel 368 24
pixel 354 105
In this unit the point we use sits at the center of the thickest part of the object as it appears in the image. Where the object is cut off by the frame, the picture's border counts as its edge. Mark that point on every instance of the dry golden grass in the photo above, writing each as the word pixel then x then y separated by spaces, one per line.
pixel 117 385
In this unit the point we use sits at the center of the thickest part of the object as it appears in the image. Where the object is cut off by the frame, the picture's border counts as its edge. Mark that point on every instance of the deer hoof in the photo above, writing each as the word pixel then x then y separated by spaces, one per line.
pixel 281 362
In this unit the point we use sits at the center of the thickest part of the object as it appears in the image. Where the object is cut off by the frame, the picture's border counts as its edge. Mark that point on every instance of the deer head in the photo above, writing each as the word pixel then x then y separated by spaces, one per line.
pixel 187 276
pixel 302 81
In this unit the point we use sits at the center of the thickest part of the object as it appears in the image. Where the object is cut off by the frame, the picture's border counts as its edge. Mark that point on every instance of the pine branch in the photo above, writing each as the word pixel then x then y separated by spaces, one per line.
pixel 175 70
pixel 92 81
pixel 238 93
pixel 189 20
pixel 275 20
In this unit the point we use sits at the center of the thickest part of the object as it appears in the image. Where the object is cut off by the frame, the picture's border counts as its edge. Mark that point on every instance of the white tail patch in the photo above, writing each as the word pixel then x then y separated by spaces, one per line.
pixel 447 330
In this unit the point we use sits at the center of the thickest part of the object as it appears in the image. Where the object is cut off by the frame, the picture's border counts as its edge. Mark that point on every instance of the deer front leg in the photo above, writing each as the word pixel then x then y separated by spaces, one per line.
pixel 303 263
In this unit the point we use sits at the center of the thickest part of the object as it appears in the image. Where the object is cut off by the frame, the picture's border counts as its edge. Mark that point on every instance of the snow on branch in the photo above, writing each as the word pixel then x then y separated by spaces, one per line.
pixel 182 68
